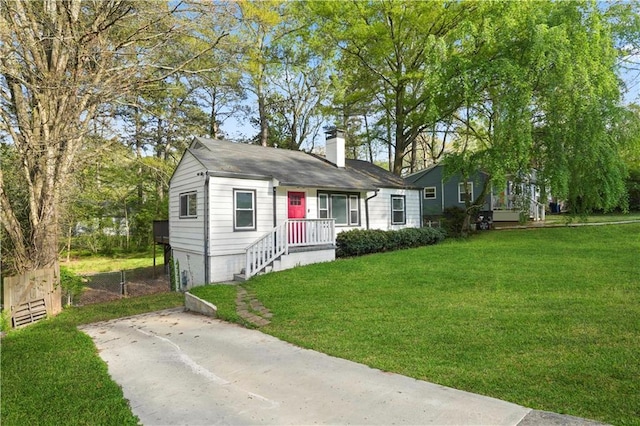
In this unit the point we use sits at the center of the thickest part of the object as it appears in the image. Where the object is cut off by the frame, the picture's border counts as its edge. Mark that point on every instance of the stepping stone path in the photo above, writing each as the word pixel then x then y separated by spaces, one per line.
pixel 250 308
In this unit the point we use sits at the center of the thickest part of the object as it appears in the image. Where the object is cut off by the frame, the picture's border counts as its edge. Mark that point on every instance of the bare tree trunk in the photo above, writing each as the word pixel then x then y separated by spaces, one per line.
pixel 214 129
pixel 370 148
pixel 414 154
pixel 401 142
pixel 264 126
pixel 69 243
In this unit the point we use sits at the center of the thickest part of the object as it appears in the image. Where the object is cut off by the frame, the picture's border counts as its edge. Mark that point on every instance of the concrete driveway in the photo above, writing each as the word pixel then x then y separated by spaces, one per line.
pixel 178 368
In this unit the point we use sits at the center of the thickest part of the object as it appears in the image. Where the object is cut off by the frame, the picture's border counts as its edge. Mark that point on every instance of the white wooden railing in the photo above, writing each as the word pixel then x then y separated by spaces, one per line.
pixel 291 233
pixel 536 210
pixel 310 232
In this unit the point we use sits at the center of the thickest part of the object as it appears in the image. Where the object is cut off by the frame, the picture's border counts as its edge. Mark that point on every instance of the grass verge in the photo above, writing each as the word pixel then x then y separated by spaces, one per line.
pixel 224 297
pixel 52 374
pixel 547 318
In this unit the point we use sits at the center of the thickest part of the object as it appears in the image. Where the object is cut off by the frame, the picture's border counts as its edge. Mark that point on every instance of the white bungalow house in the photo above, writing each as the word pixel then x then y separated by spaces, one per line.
pixel 237 209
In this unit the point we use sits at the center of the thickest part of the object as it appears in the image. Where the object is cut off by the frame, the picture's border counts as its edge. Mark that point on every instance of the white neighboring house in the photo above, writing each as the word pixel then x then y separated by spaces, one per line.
pixel 238 210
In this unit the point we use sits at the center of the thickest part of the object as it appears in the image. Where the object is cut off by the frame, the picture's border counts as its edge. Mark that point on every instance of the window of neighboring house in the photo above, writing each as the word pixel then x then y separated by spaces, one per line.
pixel 430 193
pixel 464 191
pixel 189 205
pixel 344 208
pixel 244 208
pixel 398 213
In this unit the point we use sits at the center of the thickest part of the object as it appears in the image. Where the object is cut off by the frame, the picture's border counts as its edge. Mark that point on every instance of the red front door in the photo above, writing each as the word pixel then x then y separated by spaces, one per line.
pixel 297 209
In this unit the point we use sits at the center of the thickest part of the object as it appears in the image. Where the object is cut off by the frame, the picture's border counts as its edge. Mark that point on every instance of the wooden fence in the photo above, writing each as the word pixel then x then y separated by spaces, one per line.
pixel 33 295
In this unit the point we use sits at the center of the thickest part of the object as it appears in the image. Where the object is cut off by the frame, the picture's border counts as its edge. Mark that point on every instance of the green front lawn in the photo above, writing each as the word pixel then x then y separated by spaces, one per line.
pixel 52 374
pixel 546 318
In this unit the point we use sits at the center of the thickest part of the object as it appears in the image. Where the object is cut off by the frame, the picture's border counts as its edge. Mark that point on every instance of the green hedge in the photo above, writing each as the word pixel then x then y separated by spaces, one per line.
pixel 365 241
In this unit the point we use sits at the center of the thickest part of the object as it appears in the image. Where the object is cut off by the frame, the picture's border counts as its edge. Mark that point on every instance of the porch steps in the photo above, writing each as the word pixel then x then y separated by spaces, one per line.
pixel 242 277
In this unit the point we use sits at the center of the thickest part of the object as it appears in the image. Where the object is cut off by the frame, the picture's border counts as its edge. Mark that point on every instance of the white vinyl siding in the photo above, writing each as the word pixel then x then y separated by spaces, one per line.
pixel 224 239
pixel 380 213
pixel 187 234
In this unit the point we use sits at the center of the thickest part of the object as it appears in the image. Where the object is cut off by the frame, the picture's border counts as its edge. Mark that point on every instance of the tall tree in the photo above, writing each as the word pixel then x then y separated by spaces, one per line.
pixel 299 84
pixel 61 62
pixel 259 27
pixel 541 93
pixel 214 79
pixel 401 47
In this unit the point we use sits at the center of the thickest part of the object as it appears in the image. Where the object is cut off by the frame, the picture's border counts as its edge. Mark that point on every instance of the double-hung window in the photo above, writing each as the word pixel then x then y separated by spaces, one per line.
pixel 188 205
pixel 430 193
pixel 398 210
pixel 244 210
pixel 465 191
pixel 323 206
pixel 343 207
pixel 354 210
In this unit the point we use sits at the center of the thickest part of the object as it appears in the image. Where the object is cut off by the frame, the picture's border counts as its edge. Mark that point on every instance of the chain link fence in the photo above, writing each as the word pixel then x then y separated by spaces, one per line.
pixel 113 282
pixel 105 286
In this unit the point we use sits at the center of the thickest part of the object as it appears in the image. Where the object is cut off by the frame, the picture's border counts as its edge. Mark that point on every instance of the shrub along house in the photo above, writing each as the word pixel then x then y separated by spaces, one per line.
pixel 237 209
pixel 510 204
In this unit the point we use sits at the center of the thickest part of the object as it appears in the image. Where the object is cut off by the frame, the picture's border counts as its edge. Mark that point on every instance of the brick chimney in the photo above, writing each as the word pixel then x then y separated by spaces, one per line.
pixel 335 147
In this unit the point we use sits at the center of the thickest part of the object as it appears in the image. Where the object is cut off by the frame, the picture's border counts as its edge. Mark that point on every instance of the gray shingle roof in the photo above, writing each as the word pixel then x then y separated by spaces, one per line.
pixel 291 168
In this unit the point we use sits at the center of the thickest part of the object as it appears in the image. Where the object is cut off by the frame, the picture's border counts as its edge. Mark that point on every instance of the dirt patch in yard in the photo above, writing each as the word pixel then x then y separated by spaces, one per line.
pixel 139 287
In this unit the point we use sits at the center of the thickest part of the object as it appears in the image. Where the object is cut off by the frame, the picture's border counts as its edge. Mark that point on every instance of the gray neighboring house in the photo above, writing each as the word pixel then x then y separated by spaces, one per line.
pixel 504 205
pixel 238 210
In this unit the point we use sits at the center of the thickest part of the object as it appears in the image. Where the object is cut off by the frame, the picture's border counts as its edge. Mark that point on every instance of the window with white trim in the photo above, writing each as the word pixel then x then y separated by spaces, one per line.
pixel 430 193
pixel 465 191
pixel 343 207
pixel 354 210
pixel 244 210
pixel 398 211
pixel 339 209
pixel 323 206
pixel 188 205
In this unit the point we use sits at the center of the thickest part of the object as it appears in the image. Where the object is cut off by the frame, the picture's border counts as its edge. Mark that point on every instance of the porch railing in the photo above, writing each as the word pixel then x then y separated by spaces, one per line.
pixel 536 210
pixel 310 232
pixel 535 207
pixel 291 233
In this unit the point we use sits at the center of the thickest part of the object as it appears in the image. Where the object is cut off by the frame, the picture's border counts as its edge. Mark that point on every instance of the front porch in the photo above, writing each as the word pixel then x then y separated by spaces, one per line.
pixel 293 243
pixel 517 209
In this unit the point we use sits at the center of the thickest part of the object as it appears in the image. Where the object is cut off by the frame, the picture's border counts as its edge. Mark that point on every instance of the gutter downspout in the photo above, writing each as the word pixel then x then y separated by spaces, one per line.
pixel 207 273
pixel 421 206
pixel 366 205
pixel 275 221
